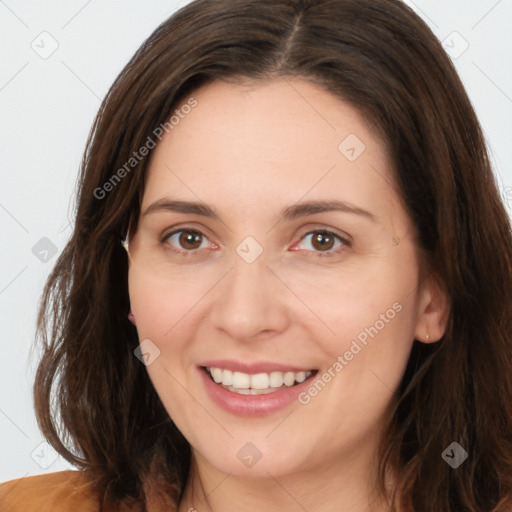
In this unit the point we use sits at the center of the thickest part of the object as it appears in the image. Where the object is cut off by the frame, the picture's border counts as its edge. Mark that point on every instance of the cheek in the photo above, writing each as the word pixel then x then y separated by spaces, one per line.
pixel 364 361
pixel 366 333
pixel 363 303
pixel 160 306
pixel 378 324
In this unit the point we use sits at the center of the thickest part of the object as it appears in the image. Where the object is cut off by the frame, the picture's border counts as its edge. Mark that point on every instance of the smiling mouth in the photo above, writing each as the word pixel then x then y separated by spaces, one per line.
pixel 258 383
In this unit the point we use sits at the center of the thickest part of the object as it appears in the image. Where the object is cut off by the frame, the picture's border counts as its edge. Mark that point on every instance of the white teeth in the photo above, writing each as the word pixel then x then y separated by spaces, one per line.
pixel 300 377
pixel 227 377
pixel 289 378
pixel 276 379
pixel 216 374
pixel 240 380
pixel 258 383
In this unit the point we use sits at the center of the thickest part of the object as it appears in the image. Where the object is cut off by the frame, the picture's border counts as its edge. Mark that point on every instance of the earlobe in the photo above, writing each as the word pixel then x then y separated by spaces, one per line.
pixel 131 317
pixel 433 311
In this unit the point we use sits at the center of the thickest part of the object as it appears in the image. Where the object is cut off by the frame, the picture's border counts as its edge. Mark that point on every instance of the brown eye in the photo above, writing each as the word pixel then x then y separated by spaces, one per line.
pixel 323 241
pixel 189 240
pixel 326 243
pixel 184 240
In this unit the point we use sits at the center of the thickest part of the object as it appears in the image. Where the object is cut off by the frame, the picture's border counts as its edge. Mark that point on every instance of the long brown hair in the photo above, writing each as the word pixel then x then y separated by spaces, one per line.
pixel 105 416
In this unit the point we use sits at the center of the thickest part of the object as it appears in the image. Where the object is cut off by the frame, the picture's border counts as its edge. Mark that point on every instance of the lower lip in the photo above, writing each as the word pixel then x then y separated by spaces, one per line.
pixel 252 405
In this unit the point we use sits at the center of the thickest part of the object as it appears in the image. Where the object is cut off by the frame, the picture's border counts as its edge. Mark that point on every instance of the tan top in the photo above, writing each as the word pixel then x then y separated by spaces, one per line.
pixel 66 491
pixel 63 491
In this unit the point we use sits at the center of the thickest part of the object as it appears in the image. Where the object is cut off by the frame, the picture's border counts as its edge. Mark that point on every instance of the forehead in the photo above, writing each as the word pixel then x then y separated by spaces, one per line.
pixel 269 142
pixel 287 118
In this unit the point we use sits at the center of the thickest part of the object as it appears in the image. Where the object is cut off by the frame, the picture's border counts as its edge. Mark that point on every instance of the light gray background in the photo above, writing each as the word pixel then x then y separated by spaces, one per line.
pixel 47 105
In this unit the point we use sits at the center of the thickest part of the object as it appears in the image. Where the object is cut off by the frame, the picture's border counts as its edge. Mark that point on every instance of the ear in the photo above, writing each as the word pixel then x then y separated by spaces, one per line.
pixel 433 311
pixel 131 317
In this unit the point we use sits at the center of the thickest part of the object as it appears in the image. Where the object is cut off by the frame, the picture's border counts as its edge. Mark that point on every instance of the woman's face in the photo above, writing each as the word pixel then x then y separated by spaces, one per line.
pixel 270 286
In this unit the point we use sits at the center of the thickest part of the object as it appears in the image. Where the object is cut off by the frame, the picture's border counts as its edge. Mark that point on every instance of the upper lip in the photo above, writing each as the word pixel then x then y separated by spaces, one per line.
pixel 252 368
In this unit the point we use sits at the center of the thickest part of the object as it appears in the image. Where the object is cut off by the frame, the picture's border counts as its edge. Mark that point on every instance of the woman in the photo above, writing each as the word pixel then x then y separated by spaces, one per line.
pixel 289 286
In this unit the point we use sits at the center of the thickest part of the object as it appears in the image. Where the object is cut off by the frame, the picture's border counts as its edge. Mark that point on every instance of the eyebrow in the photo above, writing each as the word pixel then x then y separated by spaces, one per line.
pixel 289 213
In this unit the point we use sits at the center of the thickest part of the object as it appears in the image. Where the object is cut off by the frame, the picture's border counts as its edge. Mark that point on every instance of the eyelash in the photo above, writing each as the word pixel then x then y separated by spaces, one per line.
pixel 188 253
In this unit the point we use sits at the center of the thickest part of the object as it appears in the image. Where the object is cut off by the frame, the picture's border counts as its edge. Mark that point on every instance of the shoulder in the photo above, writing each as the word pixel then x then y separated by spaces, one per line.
pixel 62 491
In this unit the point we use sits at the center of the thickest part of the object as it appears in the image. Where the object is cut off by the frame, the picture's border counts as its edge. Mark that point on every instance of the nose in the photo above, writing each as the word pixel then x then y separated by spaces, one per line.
pixel 251 302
